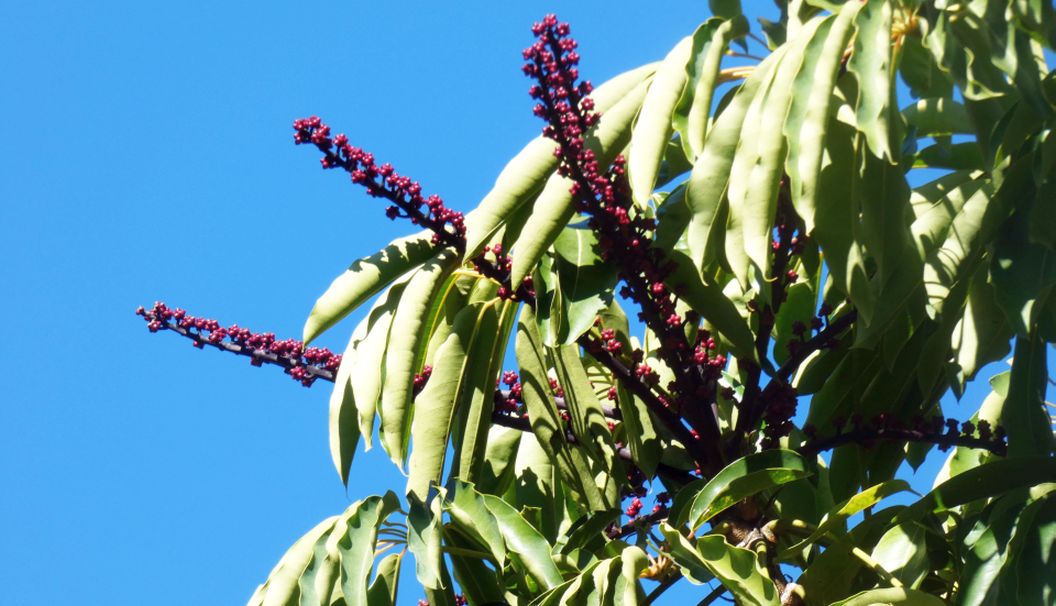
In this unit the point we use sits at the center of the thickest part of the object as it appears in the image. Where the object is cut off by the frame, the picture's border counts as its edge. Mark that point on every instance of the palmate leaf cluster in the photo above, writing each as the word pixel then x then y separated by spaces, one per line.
pixel 929 227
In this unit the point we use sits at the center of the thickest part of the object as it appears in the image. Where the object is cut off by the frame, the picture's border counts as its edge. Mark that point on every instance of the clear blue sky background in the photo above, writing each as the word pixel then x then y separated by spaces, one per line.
pixel 149 156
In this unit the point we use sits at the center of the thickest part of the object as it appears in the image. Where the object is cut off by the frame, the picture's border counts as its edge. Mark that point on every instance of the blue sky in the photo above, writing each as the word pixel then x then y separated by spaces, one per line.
pixel 149 156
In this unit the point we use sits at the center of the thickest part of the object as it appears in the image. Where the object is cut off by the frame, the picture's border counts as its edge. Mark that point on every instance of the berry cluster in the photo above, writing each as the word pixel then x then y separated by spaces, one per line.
pixel 382 181
pixel 941 431
pixel 305 365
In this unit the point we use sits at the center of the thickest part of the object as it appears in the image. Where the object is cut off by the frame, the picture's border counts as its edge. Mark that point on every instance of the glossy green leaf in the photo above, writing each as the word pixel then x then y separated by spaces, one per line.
pixel 652 129
pixel 367 374
pixel 343 419
pixel 585 414
pixel 524 175
pixel 424 540
pixel 902 551
pixel 553 209
pixel 993 478
pixel 364 279
pixel 738 569
pixel 1023 415
pixel 983 334
pixel 708 182
pixel 741 479
pixel 477 392
pixel 411 327
pixel 702 74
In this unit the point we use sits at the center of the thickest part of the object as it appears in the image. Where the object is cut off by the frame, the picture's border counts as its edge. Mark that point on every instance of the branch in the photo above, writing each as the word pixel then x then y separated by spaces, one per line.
pixel 817 342
pixel 866 435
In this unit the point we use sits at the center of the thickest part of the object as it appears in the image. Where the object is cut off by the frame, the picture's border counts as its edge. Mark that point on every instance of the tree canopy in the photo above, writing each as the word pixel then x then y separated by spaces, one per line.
pixel 592 378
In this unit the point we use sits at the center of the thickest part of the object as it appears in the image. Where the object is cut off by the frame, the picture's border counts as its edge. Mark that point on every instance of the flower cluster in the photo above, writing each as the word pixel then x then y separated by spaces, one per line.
pixel 305 365
pixel 601 192
pixel 420 379
pixel 382 181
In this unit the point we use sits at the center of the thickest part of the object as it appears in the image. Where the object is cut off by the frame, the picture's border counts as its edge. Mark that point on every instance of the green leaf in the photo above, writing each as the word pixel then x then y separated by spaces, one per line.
pixel 760 162
pixel 586 282
pixel 652 129
pixel 953 156
pixel 553 208
pixel 282 586
pixel 738 569
pixel 523 177
pixel 477 581
pixel 355 537
pixel 983 334
pixel 1031 566
pixel 344 428
pixel 902 551
pixel 367 374
pixel 1023 415
pixel 891 595
pixel 937 117
pixel 383 589
pixel 435 405
pixel 586 417
pixel 810 113
pixel 411 328
pixel 702 72
pixel 1022 272
pixel 708 182
pixel 424 540
pixel 991 479
pixel 523 542
pixel 871 65
pixel 545 418
pixel 477 391
pixel 364 279
pixel 498 472
pixel 726 9
pixel 741 479
pixel 836 519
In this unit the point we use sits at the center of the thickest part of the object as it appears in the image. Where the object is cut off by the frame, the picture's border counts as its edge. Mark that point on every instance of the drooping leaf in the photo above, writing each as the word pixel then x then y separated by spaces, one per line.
pixel 546 421
pixel 435 405
pixel 524 543
pixel 652 129
pixel 383 590
pixel 809 114
pixel 871 63
pixel 836 519
pixel 706 191
pixel 411 327
pixel 702 71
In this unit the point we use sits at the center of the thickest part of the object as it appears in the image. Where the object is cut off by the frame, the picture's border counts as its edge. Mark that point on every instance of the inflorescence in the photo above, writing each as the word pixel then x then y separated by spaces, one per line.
pixel 304 365
pixel 382 181
pixel 941 431
pixel 603 194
